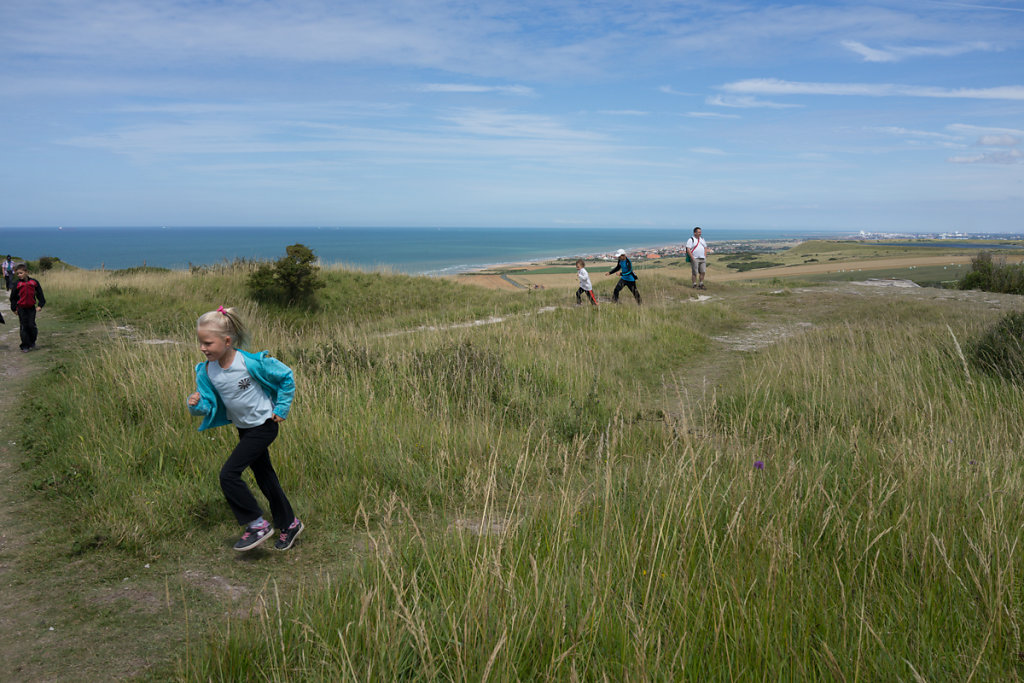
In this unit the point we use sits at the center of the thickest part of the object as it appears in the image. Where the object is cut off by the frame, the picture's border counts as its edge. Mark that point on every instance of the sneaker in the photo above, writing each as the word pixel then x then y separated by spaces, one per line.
pixel 701 286
pixel 287 538
pixel 254 537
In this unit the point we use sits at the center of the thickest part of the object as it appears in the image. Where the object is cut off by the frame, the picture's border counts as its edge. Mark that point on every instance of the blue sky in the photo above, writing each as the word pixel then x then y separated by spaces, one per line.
pixel 877 116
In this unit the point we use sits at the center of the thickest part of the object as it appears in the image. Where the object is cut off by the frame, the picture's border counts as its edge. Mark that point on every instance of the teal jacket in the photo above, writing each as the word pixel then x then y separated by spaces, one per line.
pixel 626 266
pixel 274 376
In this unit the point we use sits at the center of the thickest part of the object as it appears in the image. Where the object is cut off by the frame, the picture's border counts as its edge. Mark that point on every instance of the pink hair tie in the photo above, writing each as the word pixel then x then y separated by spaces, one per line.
pixel 220 309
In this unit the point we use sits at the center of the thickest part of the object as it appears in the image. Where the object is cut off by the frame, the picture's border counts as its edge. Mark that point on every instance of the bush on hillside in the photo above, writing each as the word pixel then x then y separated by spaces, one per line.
pixel 744 266
pixel 990 275
pixel 47 262
pixel 291 280
pixel 1000 351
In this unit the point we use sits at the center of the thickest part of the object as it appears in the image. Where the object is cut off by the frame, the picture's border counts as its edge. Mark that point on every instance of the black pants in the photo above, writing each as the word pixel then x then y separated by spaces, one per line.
pixel 29 331
pixel 632 287
pixel 251 452
pixel 589 293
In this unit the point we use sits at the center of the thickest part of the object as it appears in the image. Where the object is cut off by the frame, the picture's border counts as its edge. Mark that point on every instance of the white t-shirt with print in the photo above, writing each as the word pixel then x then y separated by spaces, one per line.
pixel 246 403
pixel 697 246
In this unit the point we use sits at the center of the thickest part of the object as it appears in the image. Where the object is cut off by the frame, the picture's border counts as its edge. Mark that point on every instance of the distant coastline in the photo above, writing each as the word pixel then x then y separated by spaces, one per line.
pixel 433 251
pixel 416 251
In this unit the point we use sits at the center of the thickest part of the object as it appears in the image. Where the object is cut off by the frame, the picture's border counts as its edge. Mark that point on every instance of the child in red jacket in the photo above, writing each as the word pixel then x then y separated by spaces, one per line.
pixel 27 298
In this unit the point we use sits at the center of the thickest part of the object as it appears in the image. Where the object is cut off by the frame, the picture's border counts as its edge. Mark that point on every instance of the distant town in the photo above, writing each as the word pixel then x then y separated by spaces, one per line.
pixel 770 246
pixel 864 235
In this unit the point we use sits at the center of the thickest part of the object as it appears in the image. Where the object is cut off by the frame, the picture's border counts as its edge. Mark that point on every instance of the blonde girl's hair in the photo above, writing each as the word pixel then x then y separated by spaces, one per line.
pixel 227 322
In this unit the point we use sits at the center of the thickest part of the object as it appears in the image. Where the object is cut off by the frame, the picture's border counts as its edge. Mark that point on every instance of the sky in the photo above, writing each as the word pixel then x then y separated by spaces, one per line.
pixel 887 116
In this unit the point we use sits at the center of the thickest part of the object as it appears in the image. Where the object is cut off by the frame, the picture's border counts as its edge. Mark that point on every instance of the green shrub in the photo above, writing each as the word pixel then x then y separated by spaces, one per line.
pixel 1000 351
pixel 47 262
pixel 293 279
pixel 744 266
pixel 980 274
pixel 990 275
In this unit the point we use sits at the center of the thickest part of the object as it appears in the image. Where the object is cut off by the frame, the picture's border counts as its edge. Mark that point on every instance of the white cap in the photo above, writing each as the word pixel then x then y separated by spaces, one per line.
pixel 620 252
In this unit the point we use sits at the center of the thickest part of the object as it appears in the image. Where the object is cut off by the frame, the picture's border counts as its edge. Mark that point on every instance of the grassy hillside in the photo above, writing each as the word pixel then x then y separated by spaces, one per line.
pixel 559 493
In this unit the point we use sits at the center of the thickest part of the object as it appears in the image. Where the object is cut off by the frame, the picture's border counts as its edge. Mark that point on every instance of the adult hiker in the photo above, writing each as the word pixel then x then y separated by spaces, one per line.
pixel 696 253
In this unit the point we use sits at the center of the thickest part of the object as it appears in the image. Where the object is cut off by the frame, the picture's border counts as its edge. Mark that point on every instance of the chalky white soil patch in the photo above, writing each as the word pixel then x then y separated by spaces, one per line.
pixel 878 282
pixel 761 335
pixel 130 332
pixel 492 320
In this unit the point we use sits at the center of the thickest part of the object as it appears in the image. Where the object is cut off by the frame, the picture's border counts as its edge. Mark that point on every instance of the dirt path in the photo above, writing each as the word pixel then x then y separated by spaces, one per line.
pixel 27 615
pixel 62 618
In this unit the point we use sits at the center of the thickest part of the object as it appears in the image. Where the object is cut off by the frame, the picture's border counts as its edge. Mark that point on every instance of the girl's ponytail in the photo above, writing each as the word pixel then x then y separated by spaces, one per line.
pixel 226 321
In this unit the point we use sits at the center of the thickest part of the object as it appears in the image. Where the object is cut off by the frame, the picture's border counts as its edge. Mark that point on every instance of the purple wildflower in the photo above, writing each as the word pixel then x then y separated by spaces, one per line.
pixel 758 465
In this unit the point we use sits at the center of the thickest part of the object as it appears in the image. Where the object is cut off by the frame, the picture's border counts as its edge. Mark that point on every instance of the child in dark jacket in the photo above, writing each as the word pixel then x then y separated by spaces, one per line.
pixel 27 298
pixel 627 278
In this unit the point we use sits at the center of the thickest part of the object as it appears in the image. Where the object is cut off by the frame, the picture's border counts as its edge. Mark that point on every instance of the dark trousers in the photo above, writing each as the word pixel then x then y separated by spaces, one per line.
pixel 589 293
pixel 251 452
pixel 632 287
pixel 29 331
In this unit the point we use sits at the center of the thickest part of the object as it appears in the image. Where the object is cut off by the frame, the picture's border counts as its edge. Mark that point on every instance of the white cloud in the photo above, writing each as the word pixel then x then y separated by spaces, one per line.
pixel 490 123
pixel 746 102
pixel 1012 156
pixel 910 133
pixel 896 54
pixel 998 141
pixel 775 86
pixel 980 7
pixel 485 40
pixel 468 88
pixel 969 129
pixel 710 115
pixel 495 39
pixel 669 90
pixel 467 135
pixel 869 54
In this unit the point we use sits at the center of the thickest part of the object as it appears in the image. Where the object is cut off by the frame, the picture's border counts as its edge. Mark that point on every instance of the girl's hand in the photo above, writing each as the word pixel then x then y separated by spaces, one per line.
pixel 277 418
pixel 193 400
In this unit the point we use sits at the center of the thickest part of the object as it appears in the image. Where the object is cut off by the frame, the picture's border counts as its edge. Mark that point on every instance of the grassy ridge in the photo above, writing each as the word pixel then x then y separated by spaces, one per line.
pixel 540 499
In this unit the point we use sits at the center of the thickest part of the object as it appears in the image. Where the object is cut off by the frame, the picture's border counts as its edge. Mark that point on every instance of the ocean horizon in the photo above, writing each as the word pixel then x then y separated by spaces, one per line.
pixel 432 251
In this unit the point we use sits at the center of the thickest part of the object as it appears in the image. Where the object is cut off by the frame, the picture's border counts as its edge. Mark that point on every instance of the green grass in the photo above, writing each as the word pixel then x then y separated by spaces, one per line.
pixel 922 275
pixel 825 250
pixel 627 533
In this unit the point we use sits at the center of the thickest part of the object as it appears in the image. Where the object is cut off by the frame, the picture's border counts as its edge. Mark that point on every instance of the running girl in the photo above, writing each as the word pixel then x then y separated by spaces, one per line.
pixel 254 392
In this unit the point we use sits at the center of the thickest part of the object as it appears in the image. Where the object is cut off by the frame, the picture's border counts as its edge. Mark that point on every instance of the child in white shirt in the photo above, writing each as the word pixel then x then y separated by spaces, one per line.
pixel 585 285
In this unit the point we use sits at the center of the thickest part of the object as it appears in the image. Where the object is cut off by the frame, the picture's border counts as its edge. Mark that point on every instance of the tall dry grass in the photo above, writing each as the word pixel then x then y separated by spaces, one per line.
pixel 540 502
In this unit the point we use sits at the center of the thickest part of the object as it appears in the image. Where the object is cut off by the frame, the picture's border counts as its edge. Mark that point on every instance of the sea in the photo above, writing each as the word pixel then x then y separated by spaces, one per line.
pixel 433 251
